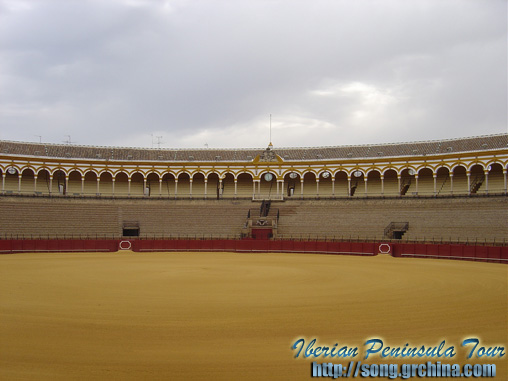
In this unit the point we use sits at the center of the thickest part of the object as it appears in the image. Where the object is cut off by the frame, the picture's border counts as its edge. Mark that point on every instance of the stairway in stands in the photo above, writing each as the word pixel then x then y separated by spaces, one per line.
pixel 395 230
pixel 404 187
pixel 477 183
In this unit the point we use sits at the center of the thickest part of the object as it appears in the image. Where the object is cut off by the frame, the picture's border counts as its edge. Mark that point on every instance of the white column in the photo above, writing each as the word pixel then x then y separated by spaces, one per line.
pixel 144 186
pixel 253 188
pixel 468 182
pixel 236 187
pixel 504 175
pixel 451 182
pixel 50 184
pixel 486 171
pixel 113 187
pixel 190 187
pixel 416 183
pixel 317 187
pixel 277 181
pixel 282 188
pixel 3 182
pixel 301 187
pixel 333 186
pixel 19 182
pixel 365 179
pixel 66 190
pixel 349 186
pixel 220 188
pixel 82 184
pixel 206 186
pixel 129 186
pixel 382 185
pixel 434 175
pixel 35 183
pixel 160 186
pixel 398 181
pixel 98 182
pixel 176 187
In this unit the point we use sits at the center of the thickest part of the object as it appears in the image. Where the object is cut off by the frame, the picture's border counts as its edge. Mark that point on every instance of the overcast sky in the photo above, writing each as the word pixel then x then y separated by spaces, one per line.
pixel 124 72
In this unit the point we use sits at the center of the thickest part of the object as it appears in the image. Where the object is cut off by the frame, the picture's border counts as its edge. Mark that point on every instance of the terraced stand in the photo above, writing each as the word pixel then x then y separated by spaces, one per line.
pixel 460 219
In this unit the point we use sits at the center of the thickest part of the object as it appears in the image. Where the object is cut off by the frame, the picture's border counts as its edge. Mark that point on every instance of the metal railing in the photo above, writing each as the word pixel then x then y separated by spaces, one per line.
pixel 280 237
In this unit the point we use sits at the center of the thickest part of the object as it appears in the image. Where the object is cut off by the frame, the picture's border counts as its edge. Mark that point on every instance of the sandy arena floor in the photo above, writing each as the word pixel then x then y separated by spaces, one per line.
pixel 180 316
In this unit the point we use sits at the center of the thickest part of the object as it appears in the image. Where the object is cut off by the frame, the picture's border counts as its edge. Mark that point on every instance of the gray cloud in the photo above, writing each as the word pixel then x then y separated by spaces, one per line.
pixel 330 72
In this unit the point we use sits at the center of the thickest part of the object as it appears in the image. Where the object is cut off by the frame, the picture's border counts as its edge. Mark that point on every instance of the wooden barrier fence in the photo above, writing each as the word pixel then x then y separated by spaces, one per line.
pixel 497 254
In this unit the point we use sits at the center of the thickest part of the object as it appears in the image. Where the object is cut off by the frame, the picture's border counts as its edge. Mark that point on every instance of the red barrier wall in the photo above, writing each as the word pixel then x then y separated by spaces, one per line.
pixel 495 254
pixel 255 245
pixel 57 245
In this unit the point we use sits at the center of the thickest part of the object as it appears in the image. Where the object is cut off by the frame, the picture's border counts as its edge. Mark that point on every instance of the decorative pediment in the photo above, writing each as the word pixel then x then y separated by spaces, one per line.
pixel 268 156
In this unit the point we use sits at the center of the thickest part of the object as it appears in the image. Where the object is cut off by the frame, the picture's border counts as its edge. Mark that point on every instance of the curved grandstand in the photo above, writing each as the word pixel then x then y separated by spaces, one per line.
pixel 451 190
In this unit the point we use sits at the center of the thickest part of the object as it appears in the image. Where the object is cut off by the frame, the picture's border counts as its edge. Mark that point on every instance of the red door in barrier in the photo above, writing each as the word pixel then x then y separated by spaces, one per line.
pixel 262 233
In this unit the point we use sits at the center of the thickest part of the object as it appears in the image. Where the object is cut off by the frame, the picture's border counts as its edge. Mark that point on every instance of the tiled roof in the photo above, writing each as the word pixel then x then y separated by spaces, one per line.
pixel 477 143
